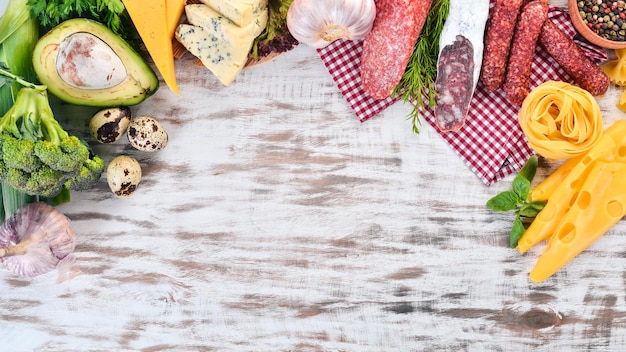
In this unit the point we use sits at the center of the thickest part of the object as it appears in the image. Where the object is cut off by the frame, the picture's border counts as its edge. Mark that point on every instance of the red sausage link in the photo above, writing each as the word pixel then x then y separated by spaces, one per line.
pixel 572 59
pixel 388 47
pixel 500 29
pixel 517 82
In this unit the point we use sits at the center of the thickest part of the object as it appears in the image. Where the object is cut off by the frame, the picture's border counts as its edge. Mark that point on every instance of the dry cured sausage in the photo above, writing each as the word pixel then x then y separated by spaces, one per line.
pixel 573 60
pixel 388 46
pixel 500 29
pixel 517 82
pixel 459 62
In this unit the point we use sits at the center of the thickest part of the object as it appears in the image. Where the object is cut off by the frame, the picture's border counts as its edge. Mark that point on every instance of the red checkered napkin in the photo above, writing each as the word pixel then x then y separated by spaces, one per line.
pixel 491 143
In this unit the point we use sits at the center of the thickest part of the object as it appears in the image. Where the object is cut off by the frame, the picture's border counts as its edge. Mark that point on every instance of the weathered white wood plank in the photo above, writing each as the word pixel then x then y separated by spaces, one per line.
pixel 275 221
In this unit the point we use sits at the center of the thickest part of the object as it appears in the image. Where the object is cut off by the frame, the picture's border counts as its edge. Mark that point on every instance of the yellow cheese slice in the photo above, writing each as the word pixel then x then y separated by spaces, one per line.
pixel 561 196
pixel 601 202
pixel 154 26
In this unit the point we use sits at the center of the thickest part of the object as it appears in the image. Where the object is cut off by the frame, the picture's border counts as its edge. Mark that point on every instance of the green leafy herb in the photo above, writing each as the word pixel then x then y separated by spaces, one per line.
pixel 516 200
pixel 276 37
pixel 111 13
pixel 417 85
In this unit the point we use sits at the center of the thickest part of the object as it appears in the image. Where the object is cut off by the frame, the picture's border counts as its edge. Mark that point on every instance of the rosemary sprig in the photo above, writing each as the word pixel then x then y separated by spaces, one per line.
pixel 417 83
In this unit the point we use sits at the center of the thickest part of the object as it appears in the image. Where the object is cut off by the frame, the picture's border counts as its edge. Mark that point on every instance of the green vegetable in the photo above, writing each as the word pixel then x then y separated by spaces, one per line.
pixel 276 37
pixel 111 13
pixel 517 199
pixel 18 35
pixel 417 85
pixel 38 156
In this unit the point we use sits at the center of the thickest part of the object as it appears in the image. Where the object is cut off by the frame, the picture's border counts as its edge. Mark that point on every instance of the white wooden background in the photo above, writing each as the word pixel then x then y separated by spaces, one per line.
pixel 275 221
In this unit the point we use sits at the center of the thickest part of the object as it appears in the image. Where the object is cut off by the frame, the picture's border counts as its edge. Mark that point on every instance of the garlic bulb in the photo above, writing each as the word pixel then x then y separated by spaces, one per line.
pixel 36 239
pixel 318 23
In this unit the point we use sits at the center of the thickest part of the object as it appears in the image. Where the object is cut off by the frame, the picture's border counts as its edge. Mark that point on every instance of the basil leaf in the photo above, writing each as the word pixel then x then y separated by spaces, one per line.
pixel 530 168
pixel 504 201
pixel 532 209
pixel 521 187
pixel 516 232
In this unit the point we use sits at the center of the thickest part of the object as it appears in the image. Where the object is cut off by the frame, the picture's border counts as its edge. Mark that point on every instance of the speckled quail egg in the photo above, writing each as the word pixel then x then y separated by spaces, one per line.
pixel 109 125
pixel 147 134
pixel 123 176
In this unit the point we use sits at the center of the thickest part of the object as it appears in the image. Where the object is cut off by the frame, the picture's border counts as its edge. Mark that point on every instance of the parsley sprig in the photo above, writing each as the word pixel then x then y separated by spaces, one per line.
pixel 516 200
pixel 111 13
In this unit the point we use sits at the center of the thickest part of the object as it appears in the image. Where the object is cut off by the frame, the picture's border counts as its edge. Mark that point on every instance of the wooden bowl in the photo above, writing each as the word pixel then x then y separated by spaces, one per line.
pixel 587 33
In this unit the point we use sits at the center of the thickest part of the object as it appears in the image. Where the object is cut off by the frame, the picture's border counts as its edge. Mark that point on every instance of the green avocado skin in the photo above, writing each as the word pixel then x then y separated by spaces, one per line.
pixel 139 83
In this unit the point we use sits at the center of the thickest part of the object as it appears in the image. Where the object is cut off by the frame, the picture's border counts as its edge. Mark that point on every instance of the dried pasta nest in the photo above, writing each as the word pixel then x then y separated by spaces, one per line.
pixel 561 120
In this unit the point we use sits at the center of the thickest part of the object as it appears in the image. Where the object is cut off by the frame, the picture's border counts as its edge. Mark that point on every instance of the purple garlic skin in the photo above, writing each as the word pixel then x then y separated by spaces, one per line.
pixel 36 239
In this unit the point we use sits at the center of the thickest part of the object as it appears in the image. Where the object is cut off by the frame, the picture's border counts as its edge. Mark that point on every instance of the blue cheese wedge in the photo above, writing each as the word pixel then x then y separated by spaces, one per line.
pixel 240 12
pixel 223 58
pixel 217 24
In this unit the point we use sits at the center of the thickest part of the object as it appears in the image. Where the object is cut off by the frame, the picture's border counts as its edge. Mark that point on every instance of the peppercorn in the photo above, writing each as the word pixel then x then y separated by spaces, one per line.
pixel 605 18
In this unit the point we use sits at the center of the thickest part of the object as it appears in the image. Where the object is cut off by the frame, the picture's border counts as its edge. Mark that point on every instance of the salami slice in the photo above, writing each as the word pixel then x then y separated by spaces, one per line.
pixel 454 84
pixel 517 82
pixel 459 62
pixel 500 29
pixel 388 46
pixel 572 59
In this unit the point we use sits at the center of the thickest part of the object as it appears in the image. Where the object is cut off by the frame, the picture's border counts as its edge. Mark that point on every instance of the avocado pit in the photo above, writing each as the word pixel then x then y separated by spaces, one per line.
pixel 87 62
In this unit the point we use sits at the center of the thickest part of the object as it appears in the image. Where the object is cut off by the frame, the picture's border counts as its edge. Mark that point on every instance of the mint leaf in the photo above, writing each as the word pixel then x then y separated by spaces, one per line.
pixel 504 201
pixel 517 232
pixel 521 187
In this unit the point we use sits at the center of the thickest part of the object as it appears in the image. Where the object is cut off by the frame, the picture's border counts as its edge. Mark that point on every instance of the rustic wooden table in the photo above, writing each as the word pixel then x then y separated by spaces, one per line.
pixel 275 221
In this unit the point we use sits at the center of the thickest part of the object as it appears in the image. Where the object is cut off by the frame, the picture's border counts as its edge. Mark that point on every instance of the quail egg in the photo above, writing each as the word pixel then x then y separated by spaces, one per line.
pixel 109 125
pixel 123 176
pixel 147 134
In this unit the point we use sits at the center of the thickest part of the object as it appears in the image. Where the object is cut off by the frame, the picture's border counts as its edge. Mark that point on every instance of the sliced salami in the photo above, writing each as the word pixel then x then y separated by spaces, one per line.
pixel 500 29
pixel 459 62
pixel 454 84
pixel 388 46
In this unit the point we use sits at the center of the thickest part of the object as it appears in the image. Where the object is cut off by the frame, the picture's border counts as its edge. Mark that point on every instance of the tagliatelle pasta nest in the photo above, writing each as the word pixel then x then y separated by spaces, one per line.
pixel 560 120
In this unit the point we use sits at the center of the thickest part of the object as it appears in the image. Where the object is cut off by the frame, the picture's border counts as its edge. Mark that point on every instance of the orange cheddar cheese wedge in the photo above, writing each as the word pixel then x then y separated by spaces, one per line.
pixel 154 21
pixel 174 11
pixel 600 204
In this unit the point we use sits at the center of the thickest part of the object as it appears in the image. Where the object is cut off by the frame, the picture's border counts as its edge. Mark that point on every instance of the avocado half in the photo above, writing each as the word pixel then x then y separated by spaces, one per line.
pixel 83 62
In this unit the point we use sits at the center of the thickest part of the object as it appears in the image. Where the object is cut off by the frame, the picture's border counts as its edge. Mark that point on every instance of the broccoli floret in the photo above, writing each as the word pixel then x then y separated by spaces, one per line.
pixel 68 156
pixel 45 182
pixel 18 179
pixel 89 174
pixel 19 154
pixel 37 156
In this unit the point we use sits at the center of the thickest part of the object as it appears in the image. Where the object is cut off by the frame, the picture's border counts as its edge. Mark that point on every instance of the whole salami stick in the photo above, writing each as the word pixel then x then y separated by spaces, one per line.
pixel 572 59
pixel 459 61
pixel 500 29
pixel 517 82
pixel 388 47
